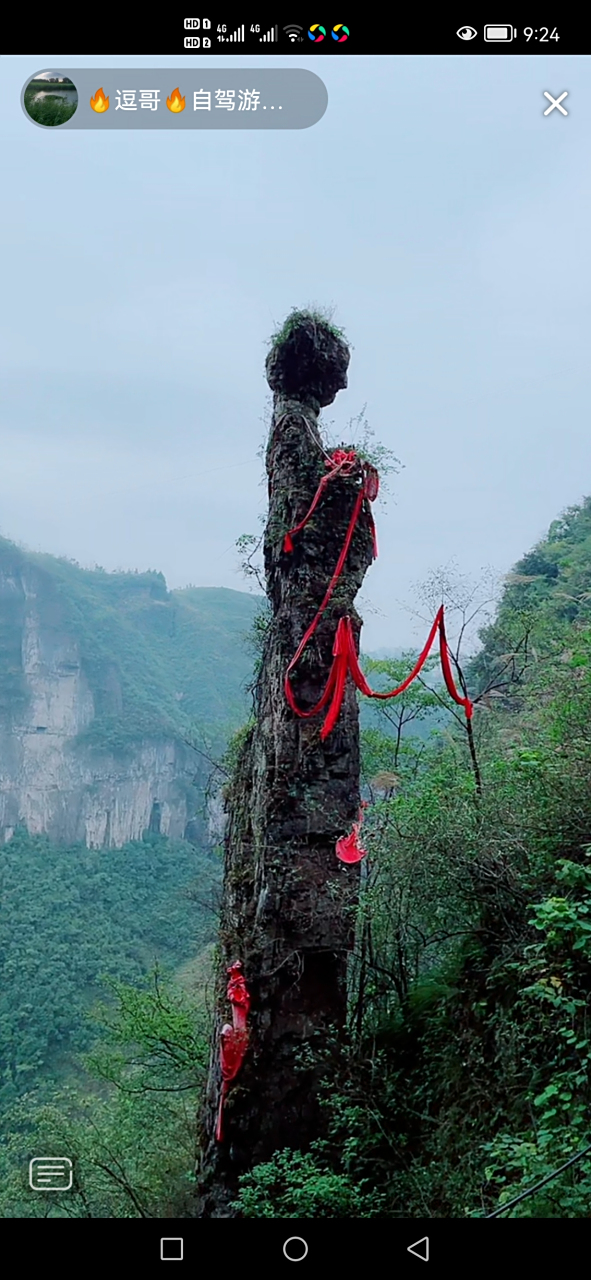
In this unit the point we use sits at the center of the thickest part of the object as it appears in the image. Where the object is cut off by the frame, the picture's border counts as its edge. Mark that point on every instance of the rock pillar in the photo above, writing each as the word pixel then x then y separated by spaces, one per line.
pixel 289 905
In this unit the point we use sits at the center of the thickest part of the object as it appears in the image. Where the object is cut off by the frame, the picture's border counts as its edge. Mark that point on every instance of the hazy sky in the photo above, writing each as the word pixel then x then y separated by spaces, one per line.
pixel 434 206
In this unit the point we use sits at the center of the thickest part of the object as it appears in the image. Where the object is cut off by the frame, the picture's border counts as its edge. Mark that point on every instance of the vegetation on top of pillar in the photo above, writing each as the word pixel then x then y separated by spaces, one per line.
pixel 319 317
pixel 309 358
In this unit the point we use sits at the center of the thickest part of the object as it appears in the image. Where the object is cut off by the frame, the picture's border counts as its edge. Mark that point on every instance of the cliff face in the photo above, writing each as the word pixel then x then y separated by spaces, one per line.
pixel 96 671
pixel 49 781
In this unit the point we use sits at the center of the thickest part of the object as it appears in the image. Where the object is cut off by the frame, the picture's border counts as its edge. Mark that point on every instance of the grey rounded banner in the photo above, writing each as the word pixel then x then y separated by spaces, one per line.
pixel 189 98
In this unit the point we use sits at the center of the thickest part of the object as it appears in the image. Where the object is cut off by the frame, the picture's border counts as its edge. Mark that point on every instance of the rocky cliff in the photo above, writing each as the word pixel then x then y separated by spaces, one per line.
pixel 98 690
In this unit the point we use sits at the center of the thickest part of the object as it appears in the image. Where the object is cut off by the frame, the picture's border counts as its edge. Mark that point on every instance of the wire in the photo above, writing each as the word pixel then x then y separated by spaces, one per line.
pixel 537 1186
pixel 293 413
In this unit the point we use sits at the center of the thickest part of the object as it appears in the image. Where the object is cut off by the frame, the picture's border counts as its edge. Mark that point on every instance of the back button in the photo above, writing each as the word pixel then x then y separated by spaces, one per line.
pixel 420 1248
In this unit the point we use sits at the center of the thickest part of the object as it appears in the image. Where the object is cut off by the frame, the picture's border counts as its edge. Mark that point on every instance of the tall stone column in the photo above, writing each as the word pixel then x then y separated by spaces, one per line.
pixel 289 905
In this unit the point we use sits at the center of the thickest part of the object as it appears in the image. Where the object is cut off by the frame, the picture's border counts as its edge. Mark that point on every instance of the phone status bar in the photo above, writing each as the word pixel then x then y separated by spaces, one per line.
pixel 322 38
pixel 205 33
pixel 239 35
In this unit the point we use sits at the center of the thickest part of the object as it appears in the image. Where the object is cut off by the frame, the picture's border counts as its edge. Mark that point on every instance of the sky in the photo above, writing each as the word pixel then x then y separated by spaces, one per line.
pixel 434 207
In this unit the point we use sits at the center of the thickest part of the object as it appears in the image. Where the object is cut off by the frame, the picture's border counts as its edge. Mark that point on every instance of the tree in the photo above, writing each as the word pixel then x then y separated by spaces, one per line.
pixel 130 1133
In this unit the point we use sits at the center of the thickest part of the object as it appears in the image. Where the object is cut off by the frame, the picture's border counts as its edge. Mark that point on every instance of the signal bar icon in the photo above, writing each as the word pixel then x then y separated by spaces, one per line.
pixel 237 36
pixel 293 32
pixel 272 34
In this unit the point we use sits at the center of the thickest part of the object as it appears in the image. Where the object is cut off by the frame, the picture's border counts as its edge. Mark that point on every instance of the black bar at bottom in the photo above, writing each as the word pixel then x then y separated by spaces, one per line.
pixel 389 1247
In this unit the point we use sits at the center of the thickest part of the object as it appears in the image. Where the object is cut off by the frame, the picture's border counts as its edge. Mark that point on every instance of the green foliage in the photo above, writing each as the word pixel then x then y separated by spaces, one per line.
pixel 157 662
pixel 396 731
pixel 549 589
pixel 13 688
pixel 259 631
pixel 248 546
pixel 235 750
pixel 298 1185
pixel 130 1129
pixel 486 1083
pixel 154 1036
pixel 469 1075
pixel 554 1005
pixel 363 437
pixel 319 315
pixel 71 916
pixel 51 110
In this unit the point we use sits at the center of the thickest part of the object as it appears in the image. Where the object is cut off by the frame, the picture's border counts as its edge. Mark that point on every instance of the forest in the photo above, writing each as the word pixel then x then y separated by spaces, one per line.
pixel 463 1081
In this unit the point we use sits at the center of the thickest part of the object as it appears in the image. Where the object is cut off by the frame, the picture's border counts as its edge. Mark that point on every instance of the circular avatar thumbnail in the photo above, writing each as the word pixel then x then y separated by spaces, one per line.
pixel 50 98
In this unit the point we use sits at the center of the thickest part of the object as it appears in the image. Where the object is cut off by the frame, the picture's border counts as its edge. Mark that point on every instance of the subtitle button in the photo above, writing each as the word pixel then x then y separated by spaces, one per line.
pixel 420 1249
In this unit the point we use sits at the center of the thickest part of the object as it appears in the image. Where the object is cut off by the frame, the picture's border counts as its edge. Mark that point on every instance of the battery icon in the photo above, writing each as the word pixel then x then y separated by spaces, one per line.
pixel 498 33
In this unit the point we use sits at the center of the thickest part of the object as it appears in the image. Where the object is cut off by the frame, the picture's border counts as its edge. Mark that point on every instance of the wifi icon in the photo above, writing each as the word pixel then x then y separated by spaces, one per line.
pixel 293 32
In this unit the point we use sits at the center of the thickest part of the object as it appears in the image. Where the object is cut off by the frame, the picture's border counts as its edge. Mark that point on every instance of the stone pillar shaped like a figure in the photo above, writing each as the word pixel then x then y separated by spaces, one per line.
pixel 289 904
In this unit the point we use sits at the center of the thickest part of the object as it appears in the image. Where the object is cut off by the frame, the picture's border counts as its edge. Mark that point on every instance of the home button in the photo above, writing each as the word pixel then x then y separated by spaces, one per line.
pixel 295 1249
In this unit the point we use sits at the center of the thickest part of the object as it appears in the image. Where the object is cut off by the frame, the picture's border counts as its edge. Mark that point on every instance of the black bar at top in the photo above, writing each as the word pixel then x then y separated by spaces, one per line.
pixel 137 34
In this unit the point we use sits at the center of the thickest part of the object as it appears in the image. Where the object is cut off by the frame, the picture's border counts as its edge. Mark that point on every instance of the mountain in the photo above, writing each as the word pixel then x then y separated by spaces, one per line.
pixel 546 598
pixel 103 678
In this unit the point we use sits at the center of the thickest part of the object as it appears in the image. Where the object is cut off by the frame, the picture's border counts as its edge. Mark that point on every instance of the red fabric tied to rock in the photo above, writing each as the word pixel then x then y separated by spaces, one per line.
pixel 233 1039
pixel 238 995
pixel 336 681
pixel 344 652
pixel 343 462
pixel 345 660
pixel 348 848
pixel 232 1050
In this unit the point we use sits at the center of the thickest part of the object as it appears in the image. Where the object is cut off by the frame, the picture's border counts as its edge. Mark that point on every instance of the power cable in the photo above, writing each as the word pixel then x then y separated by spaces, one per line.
pixel 549 1177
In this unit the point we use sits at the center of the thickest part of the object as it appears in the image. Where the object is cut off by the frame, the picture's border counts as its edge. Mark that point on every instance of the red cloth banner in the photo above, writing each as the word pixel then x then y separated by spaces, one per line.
pixel 337 677
pixel 342 463
pixel 233 1039
pixel 348 848
pixel 344 652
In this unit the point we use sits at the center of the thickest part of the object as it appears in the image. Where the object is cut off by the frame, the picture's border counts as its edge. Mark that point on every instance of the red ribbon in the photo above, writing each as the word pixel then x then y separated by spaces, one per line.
pixel 348 848
pixel 345 659
pixel 233 1039
pixel 343 462
pixel 438 625
pixel 344 652
pixel 338 673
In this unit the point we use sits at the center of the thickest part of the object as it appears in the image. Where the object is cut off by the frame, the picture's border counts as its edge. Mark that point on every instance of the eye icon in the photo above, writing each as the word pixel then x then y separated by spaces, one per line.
pixel 467 33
